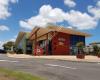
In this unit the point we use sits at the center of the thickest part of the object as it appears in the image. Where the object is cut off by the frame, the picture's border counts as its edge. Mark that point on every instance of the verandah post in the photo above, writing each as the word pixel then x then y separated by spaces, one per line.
pixel 47 44
pixel 35 42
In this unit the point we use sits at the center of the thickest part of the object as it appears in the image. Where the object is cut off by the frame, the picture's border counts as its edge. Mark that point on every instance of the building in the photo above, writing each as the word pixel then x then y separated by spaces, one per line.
pixel 22 42
pixel 95 43
pixel 55 40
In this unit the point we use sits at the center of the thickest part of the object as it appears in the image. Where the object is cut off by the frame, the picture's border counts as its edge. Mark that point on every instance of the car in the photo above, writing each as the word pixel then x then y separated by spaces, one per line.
pixel 2 51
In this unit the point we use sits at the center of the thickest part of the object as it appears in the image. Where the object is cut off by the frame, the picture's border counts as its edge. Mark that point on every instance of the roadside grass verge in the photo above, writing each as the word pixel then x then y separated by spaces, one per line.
pixel 6 74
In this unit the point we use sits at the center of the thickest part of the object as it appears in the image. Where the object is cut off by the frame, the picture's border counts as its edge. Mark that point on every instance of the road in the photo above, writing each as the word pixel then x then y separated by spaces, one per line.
pixel 53 69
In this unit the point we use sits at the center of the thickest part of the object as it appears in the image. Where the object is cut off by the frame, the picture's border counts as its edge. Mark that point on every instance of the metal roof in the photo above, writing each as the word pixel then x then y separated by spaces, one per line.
pixel 20 37
pixel 42 31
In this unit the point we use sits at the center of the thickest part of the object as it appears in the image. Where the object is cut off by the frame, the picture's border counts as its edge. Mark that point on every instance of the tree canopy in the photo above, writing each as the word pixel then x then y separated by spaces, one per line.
pixel 8 45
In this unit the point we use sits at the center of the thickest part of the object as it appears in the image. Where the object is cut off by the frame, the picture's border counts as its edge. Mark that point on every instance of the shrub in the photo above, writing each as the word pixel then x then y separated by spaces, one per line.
pixel 19 51
pixel 95 49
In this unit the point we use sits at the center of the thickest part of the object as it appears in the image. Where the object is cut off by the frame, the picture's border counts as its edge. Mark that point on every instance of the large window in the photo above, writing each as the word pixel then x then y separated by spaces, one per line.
pixel 73 41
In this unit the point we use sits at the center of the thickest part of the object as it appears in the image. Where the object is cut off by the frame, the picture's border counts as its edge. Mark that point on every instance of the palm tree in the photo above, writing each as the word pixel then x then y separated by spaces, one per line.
pixel 80 46
pixel 80 54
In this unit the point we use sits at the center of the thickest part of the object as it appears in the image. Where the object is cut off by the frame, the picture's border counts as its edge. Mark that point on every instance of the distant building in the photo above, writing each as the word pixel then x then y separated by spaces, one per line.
pixel 89 49
pixel 97 43
pixel 22 42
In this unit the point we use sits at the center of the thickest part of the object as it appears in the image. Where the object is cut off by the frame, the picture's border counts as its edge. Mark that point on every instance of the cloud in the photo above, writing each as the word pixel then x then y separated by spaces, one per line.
pixel 38 21
pixel 80 20
pixel 13 39
pixel 25 25
pixel 95 10
pixel 3 42
pixel 98 4
pixel 14 1
pixel 52 14
pixel 4 8
pixel 4 28
pixel 70 27
pixel 70 3
pixel 48 14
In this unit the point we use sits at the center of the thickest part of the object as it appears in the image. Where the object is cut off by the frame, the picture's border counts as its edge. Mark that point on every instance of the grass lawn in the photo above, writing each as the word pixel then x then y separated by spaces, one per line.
pixel 6 74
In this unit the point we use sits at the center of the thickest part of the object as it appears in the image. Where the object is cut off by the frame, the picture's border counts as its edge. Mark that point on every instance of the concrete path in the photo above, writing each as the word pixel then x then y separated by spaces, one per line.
pixel 67 58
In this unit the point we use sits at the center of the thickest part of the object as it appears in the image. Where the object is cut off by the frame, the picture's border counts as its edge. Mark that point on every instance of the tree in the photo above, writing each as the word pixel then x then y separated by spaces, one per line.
pixel 95 49
pixel 99 50
pixel 80 46
pixel 8 45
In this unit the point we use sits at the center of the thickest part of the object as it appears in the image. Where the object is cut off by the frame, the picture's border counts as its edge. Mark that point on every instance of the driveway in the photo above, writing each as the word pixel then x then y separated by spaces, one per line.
pixel 53 69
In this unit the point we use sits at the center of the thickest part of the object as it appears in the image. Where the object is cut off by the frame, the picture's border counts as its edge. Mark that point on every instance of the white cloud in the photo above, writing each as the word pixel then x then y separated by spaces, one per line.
pixel 51 14
pixel 45 9
pixel 4 28
pixel 38 21
pixel 25 25
pixel 56 15
pixel 47 14
pixel 95 10
pixel 98 4
pixel 80 20
pixel 3 42
pixel 13 39
pixel 70 3
pixel 14 1
pixel 4 8
pixel 70 27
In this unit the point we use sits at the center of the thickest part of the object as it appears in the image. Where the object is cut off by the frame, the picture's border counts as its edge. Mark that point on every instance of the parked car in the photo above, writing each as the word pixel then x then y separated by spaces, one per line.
pixel 2 51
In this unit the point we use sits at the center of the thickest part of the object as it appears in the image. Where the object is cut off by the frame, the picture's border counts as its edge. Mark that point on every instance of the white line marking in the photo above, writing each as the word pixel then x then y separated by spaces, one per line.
pixel 53 65
pixel 8 61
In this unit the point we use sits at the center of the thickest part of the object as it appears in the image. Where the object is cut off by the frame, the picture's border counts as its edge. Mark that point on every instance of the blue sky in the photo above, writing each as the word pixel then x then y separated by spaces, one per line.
pixel 82 15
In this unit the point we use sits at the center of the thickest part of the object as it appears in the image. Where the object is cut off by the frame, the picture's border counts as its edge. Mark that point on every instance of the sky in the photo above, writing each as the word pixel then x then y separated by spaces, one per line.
pixel 24 15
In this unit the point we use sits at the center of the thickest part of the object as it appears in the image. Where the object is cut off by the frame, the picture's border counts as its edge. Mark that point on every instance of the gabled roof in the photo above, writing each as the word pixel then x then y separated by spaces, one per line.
pixel 68 31
pixel 20 37
pixel 94 43
pixel 42 31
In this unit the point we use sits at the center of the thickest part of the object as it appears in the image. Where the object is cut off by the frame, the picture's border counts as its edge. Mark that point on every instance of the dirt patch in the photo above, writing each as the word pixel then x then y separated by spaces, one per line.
pixel 5 77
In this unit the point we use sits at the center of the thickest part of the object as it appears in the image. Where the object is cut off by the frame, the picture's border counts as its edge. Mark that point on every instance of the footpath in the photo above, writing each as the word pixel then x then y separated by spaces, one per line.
pixel 88 58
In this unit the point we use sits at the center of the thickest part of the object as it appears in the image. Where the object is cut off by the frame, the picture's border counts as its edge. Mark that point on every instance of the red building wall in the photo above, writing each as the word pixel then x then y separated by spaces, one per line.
pixel 61 44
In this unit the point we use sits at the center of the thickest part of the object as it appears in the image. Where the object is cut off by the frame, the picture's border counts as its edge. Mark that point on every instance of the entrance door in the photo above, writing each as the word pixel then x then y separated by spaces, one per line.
pixel 50 47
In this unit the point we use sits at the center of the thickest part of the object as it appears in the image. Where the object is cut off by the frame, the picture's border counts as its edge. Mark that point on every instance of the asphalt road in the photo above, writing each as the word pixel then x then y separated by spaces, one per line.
pixel 53 69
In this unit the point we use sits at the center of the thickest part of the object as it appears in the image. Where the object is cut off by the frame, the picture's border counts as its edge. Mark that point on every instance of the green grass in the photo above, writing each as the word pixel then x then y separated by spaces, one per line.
pixel 6 74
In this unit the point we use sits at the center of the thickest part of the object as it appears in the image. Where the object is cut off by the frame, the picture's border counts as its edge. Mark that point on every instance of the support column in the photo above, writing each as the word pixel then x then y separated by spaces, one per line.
pixel 34 33
pixel 35 42
pixel 46 44
pixel 32 47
